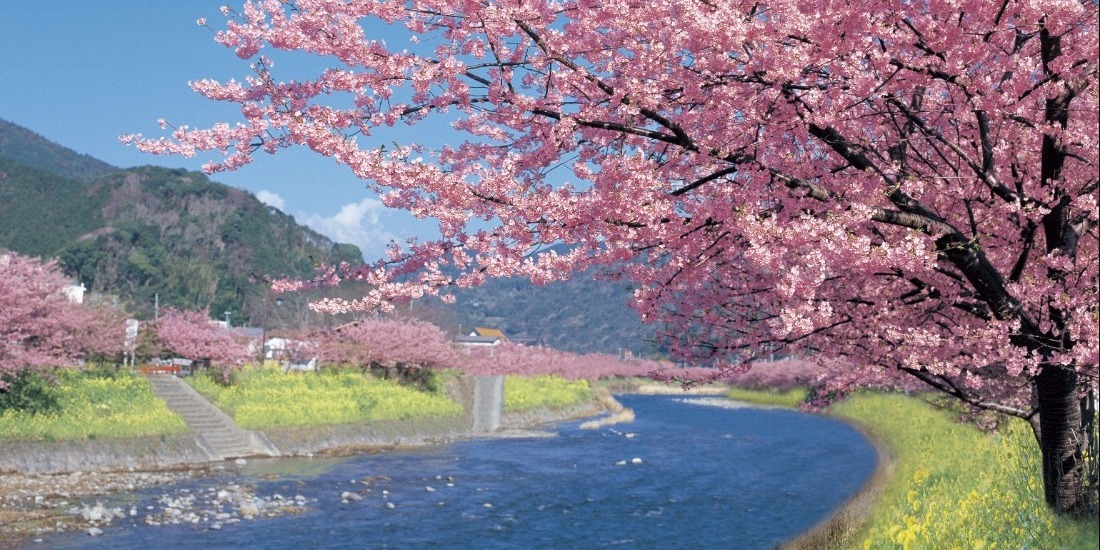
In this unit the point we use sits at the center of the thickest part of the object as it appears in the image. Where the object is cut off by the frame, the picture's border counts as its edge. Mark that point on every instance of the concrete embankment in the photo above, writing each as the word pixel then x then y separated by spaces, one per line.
pixel 144 453
pixel 157 453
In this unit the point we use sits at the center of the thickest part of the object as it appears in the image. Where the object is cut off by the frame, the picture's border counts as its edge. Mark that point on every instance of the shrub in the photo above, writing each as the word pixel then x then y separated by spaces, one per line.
pixel 27 392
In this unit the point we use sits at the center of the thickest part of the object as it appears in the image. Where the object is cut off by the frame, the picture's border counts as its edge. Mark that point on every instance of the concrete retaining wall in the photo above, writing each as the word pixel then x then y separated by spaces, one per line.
pixel 146 453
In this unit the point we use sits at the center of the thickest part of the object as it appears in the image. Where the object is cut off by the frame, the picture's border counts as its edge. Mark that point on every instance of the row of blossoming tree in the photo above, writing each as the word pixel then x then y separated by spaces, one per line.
pixel 908 189
pixel 40 326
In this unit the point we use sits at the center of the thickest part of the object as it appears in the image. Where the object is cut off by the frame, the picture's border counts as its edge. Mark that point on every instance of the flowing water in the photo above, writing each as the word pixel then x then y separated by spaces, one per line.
pixel 685 474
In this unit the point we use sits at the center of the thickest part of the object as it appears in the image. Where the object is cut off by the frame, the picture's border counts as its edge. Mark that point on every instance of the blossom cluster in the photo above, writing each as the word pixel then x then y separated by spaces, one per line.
pixel 897 188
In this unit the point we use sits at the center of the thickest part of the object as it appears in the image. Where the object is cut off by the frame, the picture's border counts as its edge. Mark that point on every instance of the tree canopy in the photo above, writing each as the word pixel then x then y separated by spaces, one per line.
pixel 894 188
pixel 41 327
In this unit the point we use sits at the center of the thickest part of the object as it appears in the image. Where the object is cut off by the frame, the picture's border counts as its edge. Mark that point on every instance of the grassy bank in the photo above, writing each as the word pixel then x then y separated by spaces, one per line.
pixel 530 392
pixel 265 397
pixel 95 404
pixel 953 486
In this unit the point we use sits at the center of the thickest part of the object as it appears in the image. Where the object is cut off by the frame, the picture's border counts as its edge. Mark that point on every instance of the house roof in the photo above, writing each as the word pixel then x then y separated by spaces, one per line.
pixel 490 333
pixel 477 340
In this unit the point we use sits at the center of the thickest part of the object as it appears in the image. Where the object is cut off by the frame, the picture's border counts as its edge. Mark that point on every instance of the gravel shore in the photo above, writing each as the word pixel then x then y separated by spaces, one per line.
pixel 34 505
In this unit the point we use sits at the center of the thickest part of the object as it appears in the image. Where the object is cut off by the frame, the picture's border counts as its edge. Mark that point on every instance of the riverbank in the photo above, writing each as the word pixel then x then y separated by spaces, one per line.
pixel 37 504
pixel 64 484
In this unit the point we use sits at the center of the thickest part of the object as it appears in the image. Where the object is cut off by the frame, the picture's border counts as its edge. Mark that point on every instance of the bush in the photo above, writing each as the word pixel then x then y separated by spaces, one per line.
pixel 28 392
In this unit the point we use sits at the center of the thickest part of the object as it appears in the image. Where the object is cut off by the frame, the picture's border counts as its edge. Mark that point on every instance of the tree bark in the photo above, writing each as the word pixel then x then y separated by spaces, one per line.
pixel 1061 440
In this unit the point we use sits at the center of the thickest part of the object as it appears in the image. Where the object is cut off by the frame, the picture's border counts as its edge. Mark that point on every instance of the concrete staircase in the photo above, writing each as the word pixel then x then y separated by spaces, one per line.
pixel 215 432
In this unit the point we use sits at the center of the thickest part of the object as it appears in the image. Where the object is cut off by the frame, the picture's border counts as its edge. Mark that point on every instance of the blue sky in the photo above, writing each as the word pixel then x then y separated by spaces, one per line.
pixel 83 72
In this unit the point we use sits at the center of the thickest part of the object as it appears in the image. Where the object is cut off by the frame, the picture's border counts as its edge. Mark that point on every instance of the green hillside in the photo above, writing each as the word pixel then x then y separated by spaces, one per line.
pixel 30 149
pixel 581 315
pixel 151 234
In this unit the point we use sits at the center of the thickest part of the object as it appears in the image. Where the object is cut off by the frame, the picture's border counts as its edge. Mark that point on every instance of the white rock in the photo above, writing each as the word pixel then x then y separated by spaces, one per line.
pixel 95 531
pixel 429 489
pixel 390 505
pixel 621 463
pixel 240 462
pixel 635 460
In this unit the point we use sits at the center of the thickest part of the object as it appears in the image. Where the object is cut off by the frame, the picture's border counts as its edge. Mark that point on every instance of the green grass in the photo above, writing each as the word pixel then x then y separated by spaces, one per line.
pixel 777 398
pixel 95 405
pixel 530 392
pixel 954 486
pixel 268 398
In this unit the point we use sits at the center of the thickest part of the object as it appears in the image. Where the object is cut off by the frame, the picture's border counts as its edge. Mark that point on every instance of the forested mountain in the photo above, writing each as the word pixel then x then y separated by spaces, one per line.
pixel 581 315
pixel 149 232
pixel 25 147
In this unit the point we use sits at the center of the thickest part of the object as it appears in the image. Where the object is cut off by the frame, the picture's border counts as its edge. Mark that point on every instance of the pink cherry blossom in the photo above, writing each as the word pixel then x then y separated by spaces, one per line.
pixel 887 188
pixel 41 327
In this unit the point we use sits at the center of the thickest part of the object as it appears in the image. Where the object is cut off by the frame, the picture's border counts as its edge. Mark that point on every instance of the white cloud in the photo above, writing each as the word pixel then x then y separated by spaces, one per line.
pixel 359 223
pixel 271 199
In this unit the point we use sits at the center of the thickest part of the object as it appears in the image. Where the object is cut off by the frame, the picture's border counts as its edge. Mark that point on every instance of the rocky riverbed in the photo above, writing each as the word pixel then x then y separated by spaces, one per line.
pixel 35 504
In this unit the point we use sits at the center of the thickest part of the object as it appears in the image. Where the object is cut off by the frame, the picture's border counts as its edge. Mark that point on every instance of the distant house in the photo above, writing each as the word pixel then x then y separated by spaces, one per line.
pixel 75 292
pixel 482 336
pixel 291 354
pixel 489 333
pixel 253 335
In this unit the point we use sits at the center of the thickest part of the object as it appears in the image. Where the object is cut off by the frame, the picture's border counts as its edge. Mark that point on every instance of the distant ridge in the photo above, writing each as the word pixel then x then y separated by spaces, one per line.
pixel 151 235
pixel 23 146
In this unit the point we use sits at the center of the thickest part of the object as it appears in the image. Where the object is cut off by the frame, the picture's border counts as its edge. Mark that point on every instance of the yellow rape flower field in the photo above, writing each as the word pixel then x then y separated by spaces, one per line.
pixel 954 486
pixel 265 397
pixel 530 392
pixel 95 406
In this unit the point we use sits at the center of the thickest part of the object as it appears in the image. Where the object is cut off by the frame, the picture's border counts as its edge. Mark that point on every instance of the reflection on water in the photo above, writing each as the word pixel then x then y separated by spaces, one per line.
pixel 682 475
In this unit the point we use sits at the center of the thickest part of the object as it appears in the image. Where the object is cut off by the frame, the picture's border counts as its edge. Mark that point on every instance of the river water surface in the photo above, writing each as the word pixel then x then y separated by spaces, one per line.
pixel 684 474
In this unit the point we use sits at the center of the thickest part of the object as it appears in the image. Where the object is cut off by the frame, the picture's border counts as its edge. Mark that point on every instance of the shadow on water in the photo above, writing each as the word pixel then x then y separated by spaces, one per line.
pixel 682 475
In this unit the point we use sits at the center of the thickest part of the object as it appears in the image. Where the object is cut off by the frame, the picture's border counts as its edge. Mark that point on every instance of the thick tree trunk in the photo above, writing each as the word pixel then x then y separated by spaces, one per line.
pixel 1061 440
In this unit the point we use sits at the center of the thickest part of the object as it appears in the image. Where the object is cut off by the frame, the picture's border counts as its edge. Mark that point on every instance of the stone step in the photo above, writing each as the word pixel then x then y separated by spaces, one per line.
pixel 208 425
pixel 222 436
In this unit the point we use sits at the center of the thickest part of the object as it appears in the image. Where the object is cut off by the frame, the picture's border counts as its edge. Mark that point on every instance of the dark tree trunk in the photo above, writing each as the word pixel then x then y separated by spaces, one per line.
pixel 1061 440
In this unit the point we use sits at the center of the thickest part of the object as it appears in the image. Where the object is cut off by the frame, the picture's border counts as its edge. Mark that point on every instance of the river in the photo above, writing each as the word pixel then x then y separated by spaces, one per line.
pixel 684 474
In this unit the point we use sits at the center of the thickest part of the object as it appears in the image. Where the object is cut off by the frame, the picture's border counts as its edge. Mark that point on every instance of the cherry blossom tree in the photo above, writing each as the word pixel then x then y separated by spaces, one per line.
pixel 401 348
pixel 40 326
pixel 193 335
pixel 896 188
